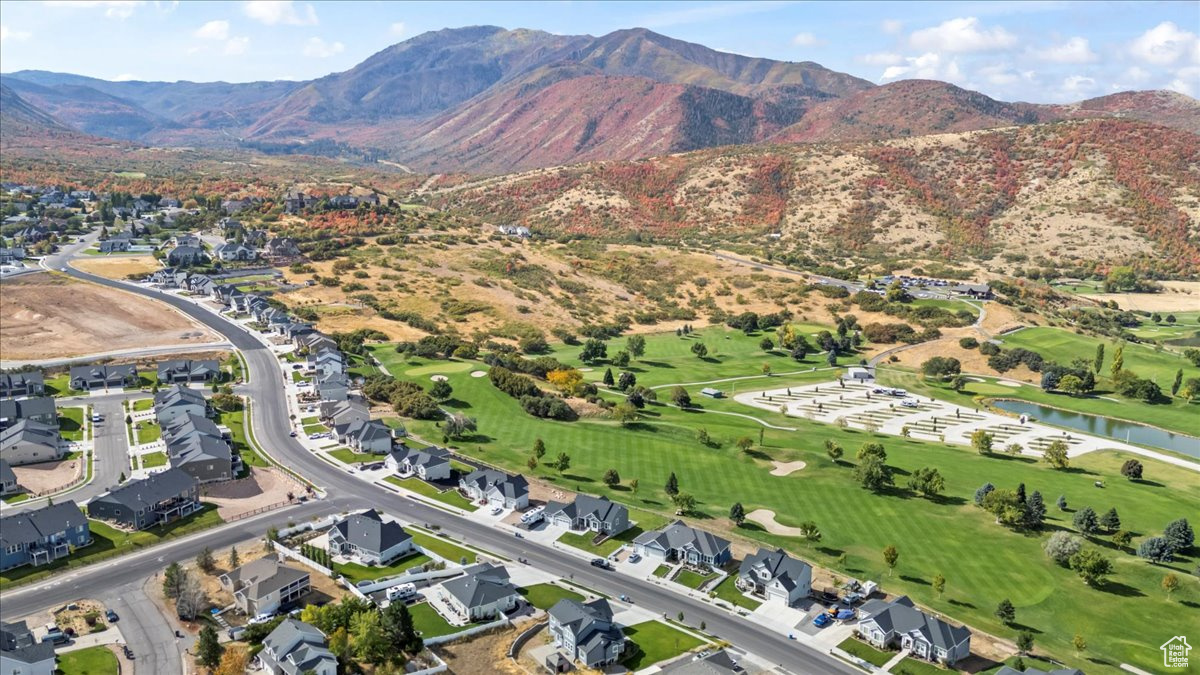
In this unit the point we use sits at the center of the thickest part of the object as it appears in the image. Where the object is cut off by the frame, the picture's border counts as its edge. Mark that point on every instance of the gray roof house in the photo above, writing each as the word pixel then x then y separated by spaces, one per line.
pixel 157 499
pixel 42 536
pixel 87 378
pixel 264 585
pixel 187 370
pixel 712 663
pixel 899 623
pixel 333 387
pixel 586 631
pixel 197 446
pixel 485 592
pixel 8 478
pixel 183 256
pixel 232 251
pixel 29 442
pixel 31 383
pixel 328 361
pixel 370 538
pixel 21 654
pixel 428 464
pixel 496 487
pixel 595 514
pixel 35 409
pixel 297 648
pixel 366 436
pixel 172 403
pixel 678 541
pixel 281 247
pixel 336 413
pixel 775 575
pixel 115 245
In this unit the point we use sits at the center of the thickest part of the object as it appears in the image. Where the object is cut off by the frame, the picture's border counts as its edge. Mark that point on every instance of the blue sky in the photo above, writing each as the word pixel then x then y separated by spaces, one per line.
pixel 1030 51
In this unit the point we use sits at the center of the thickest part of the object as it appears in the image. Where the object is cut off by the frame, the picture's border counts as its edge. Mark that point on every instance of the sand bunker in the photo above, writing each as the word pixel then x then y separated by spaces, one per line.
pixel 478 373
pixel 438 378
pixel 1009 383
pixel 784 468
pixel 766 518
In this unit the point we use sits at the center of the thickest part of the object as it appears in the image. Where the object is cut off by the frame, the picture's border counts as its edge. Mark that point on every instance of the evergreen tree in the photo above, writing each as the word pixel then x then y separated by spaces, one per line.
pixel 539 448
pixel 737 513
pixel 983 492
pixel 1178 382
pixel 1110 521
pixel 1061 503
pixel 1085 520
pixel 1098 362
pixel 1035 511
pixel 1006 612
pixel 234 559
pixel 205 561
pixel 672 487
pixel 1118 363
pixel 173 578
pixel 208 647
pixel 608 377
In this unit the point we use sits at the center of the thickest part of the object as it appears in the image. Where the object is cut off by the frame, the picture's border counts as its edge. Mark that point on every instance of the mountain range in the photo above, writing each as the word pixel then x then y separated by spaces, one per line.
pixel 489 100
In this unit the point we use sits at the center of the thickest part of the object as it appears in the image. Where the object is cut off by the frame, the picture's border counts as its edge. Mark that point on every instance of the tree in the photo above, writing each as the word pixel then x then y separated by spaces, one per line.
pixel 458 425
pixel 539 448
pixel 941 367
pixel 398 626
pixel 684 503
pixel 563 462
pixel 1118 363
pixel 765 344
pixel 1035 511
pixel 672 487
pixel 1090 566
pixel 1098 362
pixel 608 377
pixel 233 661
pixel 1006 506
pixel 981 440
pixel 339 643
pixel 958 383
pixel 1072 385
pixel 621 359
pixel 744 443
pixel 699 350
pixel 612 478
pixel 939 584
pixel 633 486
pixel 636 346
pixel 208 647
pixel 1056 455
pixel 1085 520
pixel 441 390
pixel 1132 469
pixel 532 462
pixel 1061 546
pixel 370 642
pixel 191 599
pixel 873 474
pixel 982 493
pixel 625 412
pixel 926 481
pixel 1024 642
pixel 173 580
pixel 681 398
pixel 1170 584
pixel 1156 550
pixel 1122 538
pixel 205 561
pixel 1110 521
pixel 1006 612
pixel 626 380
pixel 872 450
pixel 810 531
pixel 737 513
pixel 593 350
pixel 890 556
pixel 833 450
pixel 1061 502
pixel 1177 382
pixel 1179 535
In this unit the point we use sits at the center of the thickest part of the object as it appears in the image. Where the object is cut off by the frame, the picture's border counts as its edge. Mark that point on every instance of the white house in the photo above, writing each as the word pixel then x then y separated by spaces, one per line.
pixel 485 592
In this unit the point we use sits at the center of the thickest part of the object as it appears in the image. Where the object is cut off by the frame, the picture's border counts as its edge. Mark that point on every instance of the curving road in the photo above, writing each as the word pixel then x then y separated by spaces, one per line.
pixel 271 425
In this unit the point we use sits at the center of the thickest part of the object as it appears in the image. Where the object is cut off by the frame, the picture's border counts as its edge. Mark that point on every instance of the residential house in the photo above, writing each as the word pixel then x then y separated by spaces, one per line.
pixel 370 538
pixel 587 632
pixel 155 500
pixel 514 231
pixel 343 201
pixel 685 544
pixel 899 624
pixel 22 654
pixel 32 234
pixel 229 226
pixel 116 245
pixel 36 409
pixel 10 255
pixel 333 387
pixel 428 464
pixel 29 383
pixel 977 291
pixel 704 663
pixel 338 413
pixel 281 247
pixel 183 256
pixel 775 575
pixel 328 361
pixel 265 585
pixel 297 648
pixel 314 343
pixel 187 370
pixel 29 442
pixel 88 378
pixel 233 252
pixel 172 403
pixel 200 284
pixel 293 329
pixel 483 593
pixel 497 488
pixel 42 536
pixel 198 446
pixel 371 436
pixel 594 514
pixel 8 478
pixel 295 201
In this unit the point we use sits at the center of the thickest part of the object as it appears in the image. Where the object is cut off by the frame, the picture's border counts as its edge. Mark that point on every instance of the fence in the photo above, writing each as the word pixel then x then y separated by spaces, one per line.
pixel 442 639
pixel 847 656
pixel 321 524
pixel 439 668
pixel 515 647
pixel 255 512
pixel 308 562
pixel 381 584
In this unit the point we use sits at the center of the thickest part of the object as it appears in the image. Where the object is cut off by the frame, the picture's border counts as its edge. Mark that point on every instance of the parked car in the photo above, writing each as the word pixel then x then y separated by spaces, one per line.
pixel 634 557
pixel 601 563
pixel 292 434
pixel 497 511
pixel 261 618
pixel 908 403
pixel 822 620
pixel 111 616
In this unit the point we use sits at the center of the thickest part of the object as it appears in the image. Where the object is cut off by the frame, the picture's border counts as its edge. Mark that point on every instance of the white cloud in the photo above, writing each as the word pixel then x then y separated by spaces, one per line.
pixel 892 26
pixel 961 35
pixel 7 34
pixel 807 40
pixel 1185 80
pixel 320 49
pixel 396 29
pixel 237 46
pixel 1164 44
pixel 124 77
pixel 881 59
pixel 213 30
pixel 113 9
pixel 999 75
pixel 273 12
pixel 1078 86
pixel 930 66
pixel 1075 50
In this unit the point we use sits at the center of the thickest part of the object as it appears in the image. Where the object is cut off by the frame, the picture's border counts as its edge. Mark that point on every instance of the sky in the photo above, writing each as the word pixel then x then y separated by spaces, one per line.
pixel 1037 51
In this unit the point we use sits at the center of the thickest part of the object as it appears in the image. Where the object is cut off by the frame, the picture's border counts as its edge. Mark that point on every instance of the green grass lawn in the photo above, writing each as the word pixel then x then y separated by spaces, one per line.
pixel 97 660
pixel 727 591
pixel 440 546
pixel 911 666
pixel 17 498
pixel 865 651
pixel 544 596
pixel 153 459
pixel 656 642
pixel 356 573
pixel 236 421
pixel 583 541
pixel 60 385
pixel 662 571
pixel 451 497
pixel 983 563
pixel 148 432
pixel 348 456
pixel 298 378
pixel 310 420
pixel 691 579
pixel 143 404
pixel 429 623
pixel 70 423
pixel 311 429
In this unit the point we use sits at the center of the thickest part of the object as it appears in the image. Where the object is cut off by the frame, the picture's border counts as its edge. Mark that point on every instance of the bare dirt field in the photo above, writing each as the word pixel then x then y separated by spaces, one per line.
pixel 118 267
pixel 487 653
pixel 1177 296
pixel 47 476
pixel 46 316
pixel 263 487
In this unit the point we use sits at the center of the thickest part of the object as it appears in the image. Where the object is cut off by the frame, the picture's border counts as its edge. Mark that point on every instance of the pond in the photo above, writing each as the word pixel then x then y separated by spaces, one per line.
pixel 1120 430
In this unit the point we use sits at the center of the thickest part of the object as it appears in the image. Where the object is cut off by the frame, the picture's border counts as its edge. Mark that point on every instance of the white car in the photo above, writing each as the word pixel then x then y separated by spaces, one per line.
pixel 908 403
pixel 497 511
pixel 261 618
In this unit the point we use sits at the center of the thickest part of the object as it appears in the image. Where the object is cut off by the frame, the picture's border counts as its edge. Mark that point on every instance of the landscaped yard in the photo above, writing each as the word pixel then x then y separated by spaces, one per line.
pixel 311 429
pixel 310 420
pixel 440 546
pixel 143 404
pixel 429 623
pixel 348 456
pixel 656 642
pixel 60 385
pixel 153 459
pixel 583 541
pixel 236 421
pixel 356 572
pixel 727 591
pixel 297 377
pixel 99 660
pixel 544 596
pixel 70 423
pixel 662 571
pixel 911 666
pixel 451 497
pixel 148 432
pixel 691 579
pixel 865 651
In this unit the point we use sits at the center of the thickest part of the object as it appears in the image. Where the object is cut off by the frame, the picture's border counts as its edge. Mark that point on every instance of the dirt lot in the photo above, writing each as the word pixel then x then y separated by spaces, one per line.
pixel 118 267
pixel 487 653
pixel 47 476
pixel 1177 296
pixel 46 316
pixel 263 487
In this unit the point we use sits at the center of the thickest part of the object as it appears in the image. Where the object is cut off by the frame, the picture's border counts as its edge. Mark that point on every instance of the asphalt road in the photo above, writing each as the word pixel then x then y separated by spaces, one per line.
pixel 272 426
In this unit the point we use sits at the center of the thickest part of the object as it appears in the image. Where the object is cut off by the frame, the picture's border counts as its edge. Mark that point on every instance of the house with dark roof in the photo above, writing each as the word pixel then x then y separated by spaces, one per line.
pixel 155 500
pixel 371 436
pixel 115 245
pixel 586 632
pixel 281 247
pixel 88 378
pixel 497 488
pixel 710 663
pixel 42 536
pixel 196 445
pixel 899 624
pixel 176 401
pixel 313 343
pixel 333 387
pixel 188 370
pixel 35 409
pixel 426 464
pixel 685 544
pixel 483 593
pixel 29 442
pixel 8 479
pixel 328 361
pixel 183 256
pixel 370 538
pixel 22 654
pixel 297 648
pixel 774 575
pixel 336 413
pixel 29 383
pixel 594 514
pixel 263 586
